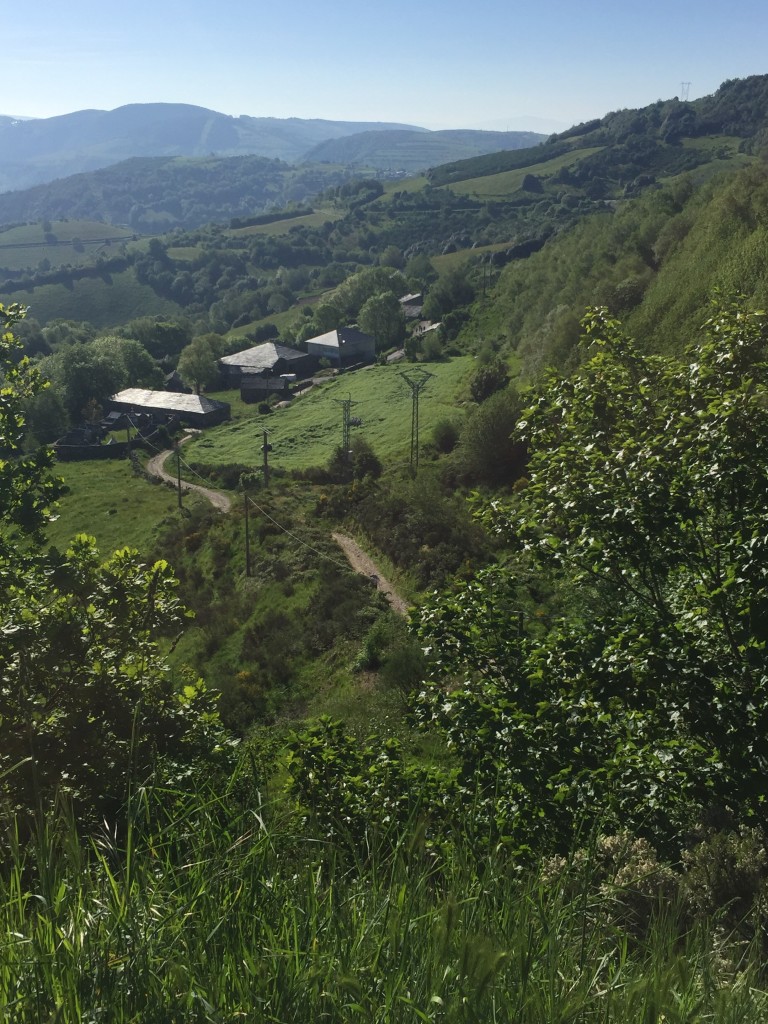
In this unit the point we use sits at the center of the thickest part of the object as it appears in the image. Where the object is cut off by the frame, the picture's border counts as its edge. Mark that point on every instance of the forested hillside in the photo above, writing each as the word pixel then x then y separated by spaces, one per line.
pixel 537 797
pixel 44 149
pixel 151 195
pixel 406 151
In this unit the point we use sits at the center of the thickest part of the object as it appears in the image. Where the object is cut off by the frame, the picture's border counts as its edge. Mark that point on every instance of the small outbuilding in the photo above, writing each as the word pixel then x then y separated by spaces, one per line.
pixel 254 388
pixel 411 305
pixel 192 410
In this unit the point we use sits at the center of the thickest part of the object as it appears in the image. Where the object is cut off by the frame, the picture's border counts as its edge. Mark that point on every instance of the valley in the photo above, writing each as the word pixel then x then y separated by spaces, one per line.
pixel 536 741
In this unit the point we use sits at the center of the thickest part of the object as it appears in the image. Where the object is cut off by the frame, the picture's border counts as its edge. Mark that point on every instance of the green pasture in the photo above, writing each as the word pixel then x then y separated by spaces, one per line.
pixel 64 231
pixel 452 260
pixel 714 143
pixel 726 158
pixel 404 185
pixel 110 300
pixel 185 253
pixel 504 184
pixel 25 246
pixel 280 320
pixel 282 227
pixel 306 433
pixel 107 500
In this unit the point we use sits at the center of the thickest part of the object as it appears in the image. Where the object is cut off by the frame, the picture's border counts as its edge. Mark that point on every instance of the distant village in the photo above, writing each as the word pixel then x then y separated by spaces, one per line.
pixel 268 372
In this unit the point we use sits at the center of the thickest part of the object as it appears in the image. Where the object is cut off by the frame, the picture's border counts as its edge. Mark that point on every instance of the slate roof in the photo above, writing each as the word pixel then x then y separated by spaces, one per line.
pixel 338 338
pixel 261 357
pixel 169 401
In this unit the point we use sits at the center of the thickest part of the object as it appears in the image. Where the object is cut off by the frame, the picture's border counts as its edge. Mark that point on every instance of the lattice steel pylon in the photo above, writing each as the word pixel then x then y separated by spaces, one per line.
pixel 416 381
pixel 346 405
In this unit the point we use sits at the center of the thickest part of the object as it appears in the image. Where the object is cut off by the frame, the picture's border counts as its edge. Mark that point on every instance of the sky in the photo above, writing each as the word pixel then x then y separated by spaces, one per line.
pixel 506 65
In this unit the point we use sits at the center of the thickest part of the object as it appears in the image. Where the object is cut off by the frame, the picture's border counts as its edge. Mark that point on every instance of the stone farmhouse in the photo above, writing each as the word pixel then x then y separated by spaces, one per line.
pixel 266 360
pixel 343 347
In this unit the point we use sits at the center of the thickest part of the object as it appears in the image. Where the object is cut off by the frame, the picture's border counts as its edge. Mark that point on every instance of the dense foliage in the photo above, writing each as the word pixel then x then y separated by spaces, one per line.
pixel 610 670
pixel 87 708
pixel 637 693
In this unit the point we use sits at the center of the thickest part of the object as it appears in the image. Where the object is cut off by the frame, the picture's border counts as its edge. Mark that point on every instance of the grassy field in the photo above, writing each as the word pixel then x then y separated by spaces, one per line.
pixel 451 260
pixel 218 910
pixel 280 320
pixel 282 227
pixel 109 502
pixel 109 300
pixel 25 246
pixel 185 253
pixel 504 184
pixel 307 433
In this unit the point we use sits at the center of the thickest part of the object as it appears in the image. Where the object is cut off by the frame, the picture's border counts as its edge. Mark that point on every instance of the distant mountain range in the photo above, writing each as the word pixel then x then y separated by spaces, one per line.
pixel 33 152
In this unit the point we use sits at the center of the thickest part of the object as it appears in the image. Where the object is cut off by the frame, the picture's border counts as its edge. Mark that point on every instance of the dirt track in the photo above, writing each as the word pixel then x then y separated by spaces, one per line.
pixel 156 467
pixel 357 558
pixel 363 564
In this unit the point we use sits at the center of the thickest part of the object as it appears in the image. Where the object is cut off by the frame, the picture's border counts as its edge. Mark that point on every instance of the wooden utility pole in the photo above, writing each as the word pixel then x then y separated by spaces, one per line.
pixel 247 537
pixel 178 471
pixel 266 448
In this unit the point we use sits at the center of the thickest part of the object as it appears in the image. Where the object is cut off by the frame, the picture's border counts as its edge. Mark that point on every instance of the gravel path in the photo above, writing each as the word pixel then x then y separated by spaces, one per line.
pixel 363 564
pixel 156 467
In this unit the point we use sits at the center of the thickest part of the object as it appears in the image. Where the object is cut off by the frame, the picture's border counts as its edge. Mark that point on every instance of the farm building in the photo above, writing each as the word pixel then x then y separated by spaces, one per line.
pixel 343 346
pixel 257 389
pixel 411 305
pixel 192 410
pixel 268 359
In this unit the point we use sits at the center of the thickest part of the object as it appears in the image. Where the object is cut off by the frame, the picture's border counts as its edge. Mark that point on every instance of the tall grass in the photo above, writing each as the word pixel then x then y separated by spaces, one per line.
pixel 198 912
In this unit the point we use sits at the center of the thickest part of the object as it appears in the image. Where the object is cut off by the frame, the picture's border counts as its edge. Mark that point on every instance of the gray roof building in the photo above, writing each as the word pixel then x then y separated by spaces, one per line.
pixel 343 346
pixel 196 410
pixel 265 359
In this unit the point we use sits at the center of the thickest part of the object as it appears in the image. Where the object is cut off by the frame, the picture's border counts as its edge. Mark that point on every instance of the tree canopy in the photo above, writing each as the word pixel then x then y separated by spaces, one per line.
pixel 87 707
pixel 633 687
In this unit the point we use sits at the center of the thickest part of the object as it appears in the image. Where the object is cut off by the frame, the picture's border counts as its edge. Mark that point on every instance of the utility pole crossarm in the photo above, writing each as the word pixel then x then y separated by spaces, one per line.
pixel 416 380
pixel 346 405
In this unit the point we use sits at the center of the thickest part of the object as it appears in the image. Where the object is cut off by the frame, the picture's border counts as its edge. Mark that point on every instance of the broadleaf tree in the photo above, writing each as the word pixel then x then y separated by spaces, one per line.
pixel 614 668
pixel 87 706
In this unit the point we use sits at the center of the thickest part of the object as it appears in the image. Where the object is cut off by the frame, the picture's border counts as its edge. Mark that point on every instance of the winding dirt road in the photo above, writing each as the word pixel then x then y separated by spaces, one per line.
pixel 357 558
pixel 156 467
pixel 363 564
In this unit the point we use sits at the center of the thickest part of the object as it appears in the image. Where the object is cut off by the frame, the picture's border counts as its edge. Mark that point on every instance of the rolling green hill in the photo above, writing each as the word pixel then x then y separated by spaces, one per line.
pixel 152 195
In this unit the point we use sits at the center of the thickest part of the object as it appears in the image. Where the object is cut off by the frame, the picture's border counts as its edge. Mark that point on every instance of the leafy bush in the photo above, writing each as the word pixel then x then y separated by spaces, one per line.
pixel 445 435
pixel 642 702
pixel 87 707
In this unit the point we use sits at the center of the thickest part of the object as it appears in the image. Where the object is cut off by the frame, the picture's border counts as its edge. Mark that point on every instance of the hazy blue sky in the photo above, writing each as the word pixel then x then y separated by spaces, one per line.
pixel 474 63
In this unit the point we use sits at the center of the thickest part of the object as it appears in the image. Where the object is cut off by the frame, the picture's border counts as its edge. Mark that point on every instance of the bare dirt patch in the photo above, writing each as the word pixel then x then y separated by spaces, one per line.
pixel 364 564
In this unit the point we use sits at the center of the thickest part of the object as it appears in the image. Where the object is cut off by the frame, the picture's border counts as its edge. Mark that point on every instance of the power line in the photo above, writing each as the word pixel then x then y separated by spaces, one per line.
pixel 416 381
pixel 317 551
pixel 346 405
